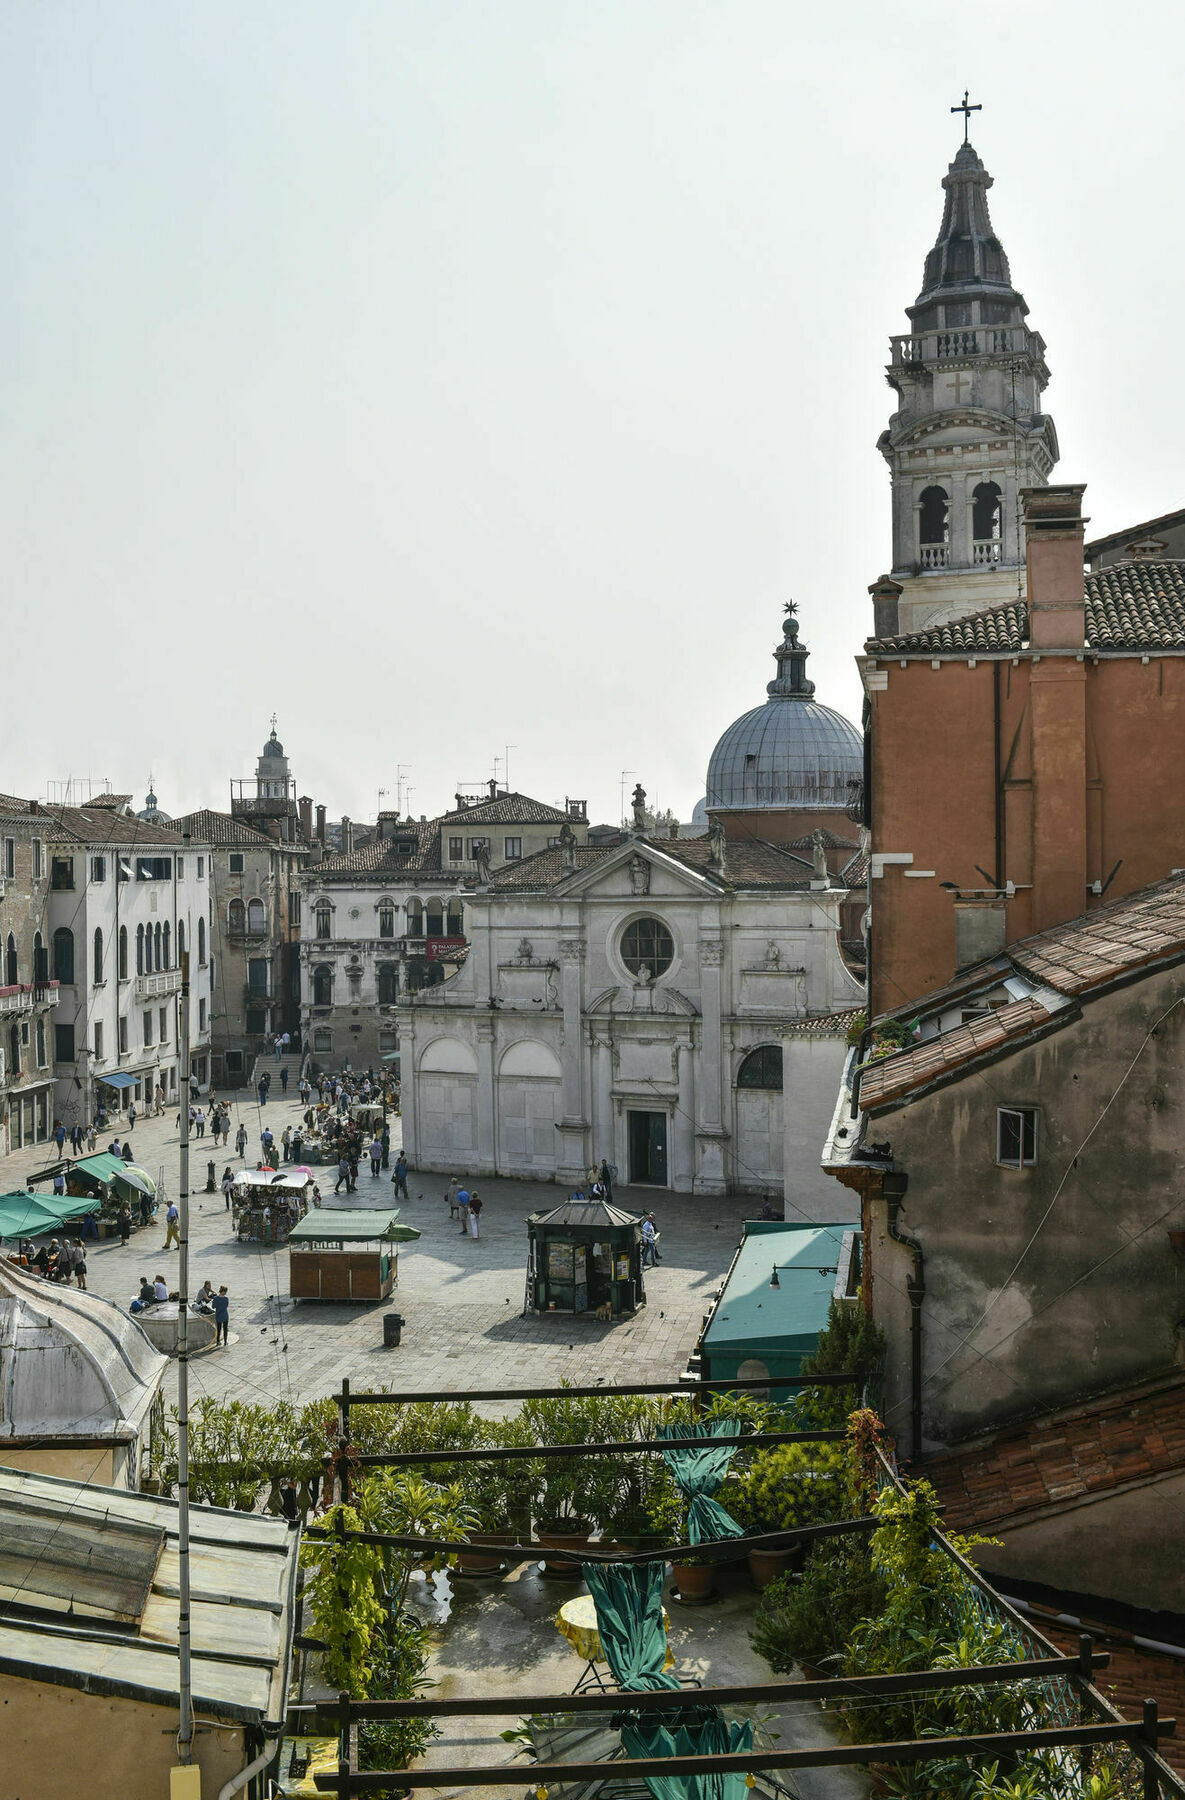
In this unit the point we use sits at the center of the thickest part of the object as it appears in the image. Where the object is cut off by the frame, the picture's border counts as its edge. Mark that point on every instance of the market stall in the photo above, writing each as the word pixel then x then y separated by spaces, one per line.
pixel 267 1203
pixel 585 1256
pixel 335 1254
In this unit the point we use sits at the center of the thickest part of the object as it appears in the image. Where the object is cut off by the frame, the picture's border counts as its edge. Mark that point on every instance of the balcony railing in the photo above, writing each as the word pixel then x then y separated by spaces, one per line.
pixel 935 556
pixel 28 994
pixel 976 340
pixel 153 987
pixel 985 551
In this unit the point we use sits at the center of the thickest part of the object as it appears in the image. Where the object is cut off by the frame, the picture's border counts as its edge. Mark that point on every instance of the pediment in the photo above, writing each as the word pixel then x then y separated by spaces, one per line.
pixel 643 1002
pixel 635 870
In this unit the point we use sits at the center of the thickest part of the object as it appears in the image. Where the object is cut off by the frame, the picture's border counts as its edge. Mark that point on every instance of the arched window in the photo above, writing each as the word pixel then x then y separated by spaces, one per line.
pixel 97 974
pixel 11 966
pixel 456 919
pixel 123 953
pixel 388 983
pixel 256 916
pixel 934 516
pixel 986 513
pixel 201 938
pixel 415 919
pixel 323 985
pixel 236 917
pixel 762 1068
pixel 387 921
pixel 324 921
pixel 434 919
pixel 40 959
pixel 647 944
pixel 168 933
pixel 156 949
pixel 63 955
pixel 139 949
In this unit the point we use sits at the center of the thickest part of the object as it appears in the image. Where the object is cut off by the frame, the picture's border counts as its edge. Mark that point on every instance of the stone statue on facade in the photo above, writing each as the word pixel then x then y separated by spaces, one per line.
pixel 526 950
pixel 639 804
pixel 481 859
pixel 819 856
pixel 639 873
pixel 773 955
pixel 716 847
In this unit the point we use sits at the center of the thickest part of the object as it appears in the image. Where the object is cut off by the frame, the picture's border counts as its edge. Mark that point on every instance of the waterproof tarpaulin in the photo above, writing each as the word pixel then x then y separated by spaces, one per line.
pixel 700 1731
pixel 34 1215
pixel 628 1599
pixel 116 1081
pixel 699 1473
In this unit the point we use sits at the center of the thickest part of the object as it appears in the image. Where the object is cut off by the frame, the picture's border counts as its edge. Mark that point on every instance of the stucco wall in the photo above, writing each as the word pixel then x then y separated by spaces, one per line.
pixel 87 1464
pixel 60 1743
pixel 1061 1328
pixel 1119 1546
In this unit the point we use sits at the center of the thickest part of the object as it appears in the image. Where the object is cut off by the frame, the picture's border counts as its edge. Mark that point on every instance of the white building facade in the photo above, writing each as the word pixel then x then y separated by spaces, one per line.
pixel 125 900
pixel 678 1008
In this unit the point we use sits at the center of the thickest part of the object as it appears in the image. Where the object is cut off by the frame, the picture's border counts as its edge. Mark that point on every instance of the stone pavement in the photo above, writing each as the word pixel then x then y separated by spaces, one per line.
pixel 462 1300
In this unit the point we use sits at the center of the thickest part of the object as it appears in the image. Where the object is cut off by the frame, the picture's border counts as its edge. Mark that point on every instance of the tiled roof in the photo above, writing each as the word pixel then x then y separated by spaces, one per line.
pixel 10 804
pixel 1138 605
pixel 221 829
pixel 546 868
pixel 830 842
pixel 101 825
pixel 894 1076
pixel 381 856
pixel 748 862
pixel 1117 939
pixel 508 809
pixel 1063 1457
pixel 1133 533
pixel 855 873
pixel 1133 1676
pixel 825 1025
pixel 1109 942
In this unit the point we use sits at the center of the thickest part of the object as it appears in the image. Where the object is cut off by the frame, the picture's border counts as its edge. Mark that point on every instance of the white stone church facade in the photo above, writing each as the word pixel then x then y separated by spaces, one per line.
pixel 676 1007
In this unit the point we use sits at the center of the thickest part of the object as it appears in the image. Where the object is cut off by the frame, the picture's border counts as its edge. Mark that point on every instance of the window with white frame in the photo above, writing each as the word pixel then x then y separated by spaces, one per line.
pixel 1016 1136
pixel 514 849
pixel 98 868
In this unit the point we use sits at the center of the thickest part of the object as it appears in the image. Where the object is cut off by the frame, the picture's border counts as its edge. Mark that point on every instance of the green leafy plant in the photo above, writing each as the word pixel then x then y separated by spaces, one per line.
pixel 342 1591
pixel 792 1485
pixel 398 1675
pixel 808 1618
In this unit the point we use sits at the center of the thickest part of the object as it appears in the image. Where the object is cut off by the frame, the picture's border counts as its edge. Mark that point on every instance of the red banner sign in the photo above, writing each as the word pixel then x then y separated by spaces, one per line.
pixel 437 949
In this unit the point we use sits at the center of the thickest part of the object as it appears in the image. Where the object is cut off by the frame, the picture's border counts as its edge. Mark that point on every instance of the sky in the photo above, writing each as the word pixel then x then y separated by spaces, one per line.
pixel 450 375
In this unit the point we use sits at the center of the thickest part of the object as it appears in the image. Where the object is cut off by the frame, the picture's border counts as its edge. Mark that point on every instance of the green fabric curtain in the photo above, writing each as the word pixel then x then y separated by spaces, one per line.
pixel 628 1599
pixel 699 1473
pixel 702 1732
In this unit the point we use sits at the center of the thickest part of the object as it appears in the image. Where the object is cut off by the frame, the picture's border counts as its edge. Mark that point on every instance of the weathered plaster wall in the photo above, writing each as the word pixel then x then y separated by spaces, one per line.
pixel 1061 1327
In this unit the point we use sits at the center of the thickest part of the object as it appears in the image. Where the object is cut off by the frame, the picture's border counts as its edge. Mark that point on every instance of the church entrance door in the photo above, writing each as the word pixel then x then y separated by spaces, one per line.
pixel 648 1148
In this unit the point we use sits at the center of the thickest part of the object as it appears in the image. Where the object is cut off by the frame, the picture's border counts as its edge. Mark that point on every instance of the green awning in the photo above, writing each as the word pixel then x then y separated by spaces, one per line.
pixel 33 1215
pixel 333 1225
pixel 102 1165
pixel 136 1178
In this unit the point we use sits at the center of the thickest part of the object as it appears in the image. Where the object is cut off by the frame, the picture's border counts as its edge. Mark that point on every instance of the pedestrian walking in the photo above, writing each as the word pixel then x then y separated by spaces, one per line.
pixel 123 1224
pixel 92 1137
pixel 400 1177
pixel 131 1115
pixel 284 1079
pixel 376 1158
pixel 607 1180
pixel 172 1226
pixel 228 1182
pixel 463 1210
pixel 59 1136
pixel 263 1090
pixel 278 1047
pixel 649 1242
pixel 475 1204
pixel 145 1209
pixel 343 1174
pixel 76 1140
pixel 80 1264
pixel 200 1122
pixel 450 1195
pixel 386 1135
pixel 241 1141
pixel 221 1304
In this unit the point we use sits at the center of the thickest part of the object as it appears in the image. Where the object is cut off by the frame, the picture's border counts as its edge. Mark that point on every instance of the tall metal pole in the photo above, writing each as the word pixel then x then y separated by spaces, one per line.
pixel 185 1731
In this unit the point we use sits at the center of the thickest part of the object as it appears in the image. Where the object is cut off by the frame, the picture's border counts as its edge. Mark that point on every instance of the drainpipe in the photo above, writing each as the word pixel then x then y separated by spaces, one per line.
pixel 893 1190
pixel 231 1787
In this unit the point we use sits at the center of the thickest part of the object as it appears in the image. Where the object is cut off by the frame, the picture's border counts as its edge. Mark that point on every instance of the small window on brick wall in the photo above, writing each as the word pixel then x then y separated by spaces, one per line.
pixel 1016 1136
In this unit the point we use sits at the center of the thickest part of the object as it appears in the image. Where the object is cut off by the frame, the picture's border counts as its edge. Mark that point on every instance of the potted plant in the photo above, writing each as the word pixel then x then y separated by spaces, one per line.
pixel 791 1486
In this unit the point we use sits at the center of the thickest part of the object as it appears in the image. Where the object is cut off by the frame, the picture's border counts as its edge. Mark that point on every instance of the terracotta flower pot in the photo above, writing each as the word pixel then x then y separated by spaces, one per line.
pixel 765 1565
pixel 695 1583
pixel 561 1569
pixel 473 1562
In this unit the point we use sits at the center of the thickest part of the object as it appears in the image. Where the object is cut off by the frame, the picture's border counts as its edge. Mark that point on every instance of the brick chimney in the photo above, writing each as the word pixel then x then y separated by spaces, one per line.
pixel 1054 566
pixel 886 597
pixel 305 808
pixel 320 824
pixel 347 834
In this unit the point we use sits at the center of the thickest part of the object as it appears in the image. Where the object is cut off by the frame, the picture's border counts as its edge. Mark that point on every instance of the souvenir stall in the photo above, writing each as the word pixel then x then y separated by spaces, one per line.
pixel 585 1256
pixel 267 1203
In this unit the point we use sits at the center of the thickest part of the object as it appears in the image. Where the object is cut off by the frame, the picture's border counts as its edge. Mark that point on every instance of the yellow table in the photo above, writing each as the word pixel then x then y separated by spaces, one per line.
pixel 577 1621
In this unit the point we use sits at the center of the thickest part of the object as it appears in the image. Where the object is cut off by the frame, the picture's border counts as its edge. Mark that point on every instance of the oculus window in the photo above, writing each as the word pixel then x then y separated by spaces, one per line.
pixel 647 944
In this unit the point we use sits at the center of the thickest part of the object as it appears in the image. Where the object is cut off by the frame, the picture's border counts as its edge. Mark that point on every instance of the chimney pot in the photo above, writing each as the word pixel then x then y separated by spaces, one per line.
pixel 1054 528
pixel 886 599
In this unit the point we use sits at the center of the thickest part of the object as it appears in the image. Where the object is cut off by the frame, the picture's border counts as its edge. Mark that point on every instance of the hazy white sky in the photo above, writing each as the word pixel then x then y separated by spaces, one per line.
pixel 448 373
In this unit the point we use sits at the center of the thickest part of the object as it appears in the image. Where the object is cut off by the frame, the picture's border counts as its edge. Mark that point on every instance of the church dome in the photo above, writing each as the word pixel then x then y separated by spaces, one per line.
pixel 273 747
pixel 791 752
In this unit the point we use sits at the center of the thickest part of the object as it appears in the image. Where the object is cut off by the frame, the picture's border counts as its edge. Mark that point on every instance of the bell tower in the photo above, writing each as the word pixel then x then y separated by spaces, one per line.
pixel 968 433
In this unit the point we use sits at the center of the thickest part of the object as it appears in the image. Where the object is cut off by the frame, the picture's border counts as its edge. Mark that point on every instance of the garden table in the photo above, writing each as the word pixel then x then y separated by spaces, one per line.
pixel 577 1621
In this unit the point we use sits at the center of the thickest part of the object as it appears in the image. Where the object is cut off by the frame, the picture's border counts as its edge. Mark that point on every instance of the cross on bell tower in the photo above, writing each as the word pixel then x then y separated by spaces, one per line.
pixel 968 432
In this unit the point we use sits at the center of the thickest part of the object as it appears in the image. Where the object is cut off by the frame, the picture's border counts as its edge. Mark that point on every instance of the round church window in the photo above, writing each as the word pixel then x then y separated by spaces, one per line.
pixel 648 946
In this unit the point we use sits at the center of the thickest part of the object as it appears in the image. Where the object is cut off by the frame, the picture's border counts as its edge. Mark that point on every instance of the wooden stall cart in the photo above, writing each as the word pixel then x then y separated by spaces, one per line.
pixel 335 1254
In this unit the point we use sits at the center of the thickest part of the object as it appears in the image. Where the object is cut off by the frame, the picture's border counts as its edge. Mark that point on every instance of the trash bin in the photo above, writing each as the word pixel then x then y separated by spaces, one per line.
pixel 392 1330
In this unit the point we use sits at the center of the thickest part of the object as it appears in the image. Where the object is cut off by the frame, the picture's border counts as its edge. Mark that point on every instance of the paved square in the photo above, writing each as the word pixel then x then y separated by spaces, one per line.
pixel 462 1300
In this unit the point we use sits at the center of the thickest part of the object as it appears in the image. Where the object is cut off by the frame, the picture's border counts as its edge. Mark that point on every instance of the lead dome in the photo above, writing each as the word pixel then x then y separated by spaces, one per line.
pixel 791 752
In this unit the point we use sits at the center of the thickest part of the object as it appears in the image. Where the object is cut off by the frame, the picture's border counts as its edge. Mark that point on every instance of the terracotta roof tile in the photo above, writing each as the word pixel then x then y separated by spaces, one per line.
pixel 894 1076
pixel 1125 1437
